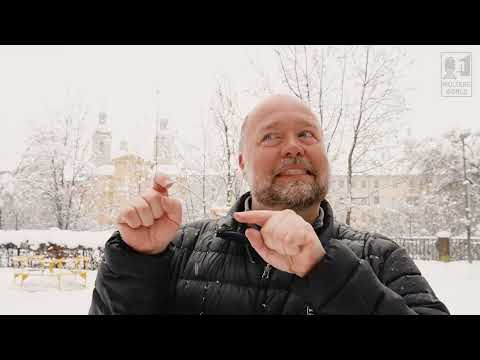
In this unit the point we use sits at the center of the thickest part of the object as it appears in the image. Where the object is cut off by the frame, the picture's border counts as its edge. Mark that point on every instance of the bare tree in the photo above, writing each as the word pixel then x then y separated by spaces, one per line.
pixel 317 77
pixel 196 189
pixel 451 198
pixel 379 103
pixel 355 93
pixel 6 190
pixel 11 204
pixel 225 115
pixel 55 168
pixel 198 185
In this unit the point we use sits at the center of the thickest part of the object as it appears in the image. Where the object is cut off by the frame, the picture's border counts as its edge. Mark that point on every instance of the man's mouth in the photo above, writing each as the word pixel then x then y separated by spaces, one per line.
pixel 291 172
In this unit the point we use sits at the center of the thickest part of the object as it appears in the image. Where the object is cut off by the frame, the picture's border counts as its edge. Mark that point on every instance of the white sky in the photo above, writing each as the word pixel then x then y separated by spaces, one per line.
pixel 122 80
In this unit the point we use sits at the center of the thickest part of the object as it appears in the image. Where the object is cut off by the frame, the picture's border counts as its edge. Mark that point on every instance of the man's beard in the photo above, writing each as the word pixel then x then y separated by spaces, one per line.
pixel 295 195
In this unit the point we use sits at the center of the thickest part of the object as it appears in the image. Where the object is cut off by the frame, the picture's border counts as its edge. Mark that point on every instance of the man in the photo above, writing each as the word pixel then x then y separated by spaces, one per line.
pixel 278 250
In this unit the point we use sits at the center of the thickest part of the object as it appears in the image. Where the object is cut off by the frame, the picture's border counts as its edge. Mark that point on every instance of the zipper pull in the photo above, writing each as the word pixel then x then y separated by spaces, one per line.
pixel 266 272
pixel 309 310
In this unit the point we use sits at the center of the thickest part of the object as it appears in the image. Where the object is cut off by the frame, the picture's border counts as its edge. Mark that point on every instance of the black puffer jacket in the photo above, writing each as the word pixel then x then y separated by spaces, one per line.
pixel 210 268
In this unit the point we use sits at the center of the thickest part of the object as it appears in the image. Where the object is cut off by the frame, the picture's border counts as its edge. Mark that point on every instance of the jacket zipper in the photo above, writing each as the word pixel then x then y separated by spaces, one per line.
pixel 265 277
pixel 308 310
pixel 266 272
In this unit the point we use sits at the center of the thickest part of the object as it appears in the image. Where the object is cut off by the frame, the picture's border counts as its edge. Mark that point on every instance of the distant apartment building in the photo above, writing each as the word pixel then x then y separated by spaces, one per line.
pixel 378 190
pixel 375 196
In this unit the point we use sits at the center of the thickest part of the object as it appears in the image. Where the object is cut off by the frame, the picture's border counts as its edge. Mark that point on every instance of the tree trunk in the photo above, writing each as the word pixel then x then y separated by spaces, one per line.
pixel 229 169
pixel 349 193
pixel 356 131
pixel 467 202
pixel 203 186
pixel 349 181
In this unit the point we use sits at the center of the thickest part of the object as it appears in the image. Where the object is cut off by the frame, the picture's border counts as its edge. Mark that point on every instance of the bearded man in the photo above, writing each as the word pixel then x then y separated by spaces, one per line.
pixel 277 251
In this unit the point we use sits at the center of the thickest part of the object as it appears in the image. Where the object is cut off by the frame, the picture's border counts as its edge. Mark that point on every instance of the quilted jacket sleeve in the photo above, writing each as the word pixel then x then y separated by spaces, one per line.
pixel 343 283
pixel 131 283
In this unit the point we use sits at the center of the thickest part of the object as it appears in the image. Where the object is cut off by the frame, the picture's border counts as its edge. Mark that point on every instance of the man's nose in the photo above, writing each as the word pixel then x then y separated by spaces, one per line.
pixel 293 148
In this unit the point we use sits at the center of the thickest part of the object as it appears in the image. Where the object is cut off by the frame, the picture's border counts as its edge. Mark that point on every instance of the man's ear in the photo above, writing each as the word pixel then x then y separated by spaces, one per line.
pixel 241 161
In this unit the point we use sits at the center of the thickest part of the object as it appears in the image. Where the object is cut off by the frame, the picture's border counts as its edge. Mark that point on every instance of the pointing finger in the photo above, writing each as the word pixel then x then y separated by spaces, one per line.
pixel 259 217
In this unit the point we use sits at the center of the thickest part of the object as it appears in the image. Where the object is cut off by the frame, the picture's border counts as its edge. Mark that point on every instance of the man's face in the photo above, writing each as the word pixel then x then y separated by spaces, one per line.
pixel 284 157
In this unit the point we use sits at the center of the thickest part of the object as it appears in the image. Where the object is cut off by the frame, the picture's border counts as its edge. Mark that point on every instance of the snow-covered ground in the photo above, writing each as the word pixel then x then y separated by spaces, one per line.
pixel 455 283
pixel 40 295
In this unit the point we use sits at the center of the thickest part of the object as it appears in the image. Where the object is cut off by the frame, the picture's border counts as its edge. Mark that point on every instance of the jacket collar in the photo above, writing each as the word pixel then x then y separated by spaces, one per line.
pixel 324 228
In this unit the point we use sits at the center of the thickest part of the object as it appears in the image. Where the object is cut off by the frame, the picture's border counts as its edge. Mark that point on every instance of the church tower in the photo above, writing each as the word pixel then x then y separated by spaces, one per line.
pixel 163 143
pixel 102 142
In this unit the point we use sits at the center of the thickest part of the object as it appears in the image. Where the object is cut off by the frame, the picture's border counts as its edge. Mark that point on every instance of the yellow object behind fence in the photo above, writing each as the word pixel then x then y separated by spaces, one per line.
pixel 24 271
pixel 23 276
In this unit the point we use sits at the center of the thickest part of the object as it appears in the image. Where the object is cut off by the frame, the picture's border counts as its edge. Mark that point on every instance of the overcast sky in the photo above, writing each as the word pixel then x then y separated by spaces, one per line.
pixel 36 81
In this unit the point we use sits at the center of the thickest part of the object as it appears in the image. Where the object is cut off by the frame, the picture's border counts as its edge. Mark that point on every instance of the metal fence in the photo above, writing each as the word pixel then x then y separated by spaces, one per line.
pixel 425 248
pixel 419 248
pixel 10 251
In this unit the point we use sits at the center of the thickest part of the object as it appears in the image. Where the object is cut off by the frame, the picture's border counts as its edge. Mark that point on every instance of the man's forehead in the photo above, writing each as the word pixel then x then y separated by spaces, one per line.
pixel 280 106
pixel 279 103
pixel 277 119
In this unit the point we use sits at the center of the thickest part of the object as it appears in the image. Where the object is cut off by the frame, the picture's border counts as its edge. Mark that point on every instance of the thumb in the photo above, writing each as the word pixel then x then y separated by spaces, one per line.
pixel 256 240
pixel 162 183
pixel 173 209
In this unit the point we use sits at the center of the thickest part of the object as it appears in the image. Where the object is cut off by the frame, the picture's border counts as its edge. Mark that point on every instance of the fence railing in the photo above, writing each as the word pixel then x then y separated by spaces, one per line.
pixel 419 248
pixel 427 248
pixel 8 253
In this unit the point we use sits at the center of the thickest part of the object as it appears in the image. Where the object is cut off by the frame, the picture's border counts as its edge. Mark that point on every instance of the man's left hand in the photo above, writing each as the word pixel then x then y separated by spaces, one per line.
pixel 286 241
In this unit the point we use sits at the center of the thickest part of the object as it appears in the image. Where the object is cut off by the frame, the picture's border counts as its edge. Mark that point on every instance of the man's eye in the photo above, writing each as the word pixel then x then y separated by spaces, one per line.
pixel 306 134
pixel 267 137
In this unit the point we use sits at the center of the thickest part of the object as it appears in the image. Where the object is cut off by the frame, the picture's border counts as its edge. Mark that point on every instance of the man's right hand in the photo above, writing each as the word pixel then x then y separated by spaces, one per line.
pixel 149 223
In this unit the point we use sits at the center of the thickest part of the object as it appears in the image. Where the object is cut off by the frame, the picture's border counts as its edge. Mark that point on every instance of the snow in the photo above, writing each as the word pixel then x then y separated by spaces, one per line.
pixel 40 295
pixel 67 238
pixel 455 284
pixel 5 177
pixel 443 234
